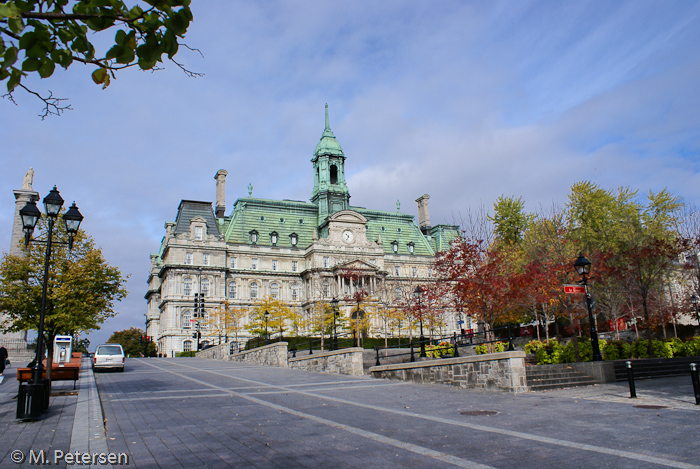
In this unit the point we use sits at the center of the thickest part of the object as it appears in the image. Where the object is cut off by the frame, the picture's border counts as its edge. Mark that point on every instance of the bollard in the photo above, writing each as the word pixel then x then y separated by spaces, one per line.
pixel 696 382
pixel 311 350
pixel 630 378
pixel 376 349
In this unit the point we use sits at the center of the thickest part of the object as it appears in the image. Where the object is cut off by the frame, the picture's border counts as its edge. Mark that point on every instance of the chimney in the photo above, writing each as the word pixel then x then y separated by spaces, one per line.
pixel 423 215
pixel 220 192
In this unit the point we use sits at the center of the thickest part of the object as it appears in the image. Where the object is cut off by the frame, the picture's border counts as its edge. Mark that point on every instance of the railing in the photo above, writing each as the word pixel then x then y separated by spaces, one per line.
pixel 454 342
pixel 343 340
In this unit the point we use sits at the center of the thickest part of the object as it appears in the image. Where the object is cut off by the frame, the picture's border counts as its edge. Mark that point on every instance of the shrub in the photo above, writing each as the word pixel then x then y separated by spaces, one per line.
pixel 498 347
pixel 437 351
pixel 613 350
pixel 481 349
pixel 185 354
pixel 691 347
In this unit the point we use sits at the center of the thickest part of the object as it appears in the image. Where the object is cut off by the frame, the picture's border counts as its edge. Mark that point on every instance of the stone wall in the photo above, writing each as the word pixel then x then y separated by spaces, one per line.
pixel 268 355
pixel 504 371
pixel 346 361
pixel 219 352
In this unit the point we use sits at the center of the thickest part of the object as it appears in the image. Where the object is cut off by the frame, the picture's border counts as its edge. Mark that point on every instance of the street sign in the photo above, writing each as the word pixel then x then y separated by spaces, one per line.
pixel 460 322
pixel 574 289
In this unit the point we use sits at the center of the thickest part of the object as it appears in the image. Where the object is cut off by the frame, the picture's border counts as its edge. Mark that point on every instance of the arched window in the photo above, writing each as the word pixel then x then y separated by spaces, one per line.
pixel 187 286
pixel 326 288
pixel 187 319
pixel 205 287
pixel 334 174
pixel 232 290
pixel 187 346
pixel 254 290
pixel 397 294
pixel 295 292
pixel 274 291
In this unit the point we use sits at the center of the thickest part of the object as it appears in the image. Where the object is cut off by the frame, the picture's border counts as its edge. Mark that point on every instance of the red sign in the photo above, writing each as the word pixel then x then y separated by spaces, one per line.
pixel 574 289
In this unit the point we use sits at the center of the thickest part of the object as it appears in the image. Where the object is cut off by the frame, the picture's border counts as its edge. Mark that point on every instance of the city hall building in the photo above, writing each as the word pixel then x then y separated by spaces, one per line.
pixel 295 251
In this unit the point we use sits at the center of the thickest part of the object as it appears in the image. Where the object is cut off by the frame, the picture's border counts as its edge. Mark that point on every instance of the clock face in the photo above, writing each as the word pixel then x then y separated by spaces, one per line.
pixel 348 236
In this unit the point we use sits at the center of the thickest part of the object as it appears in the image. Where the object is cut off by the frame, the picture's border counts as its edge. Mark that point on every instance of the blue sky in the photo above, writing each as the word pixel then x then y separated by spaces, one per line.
pixel 465 101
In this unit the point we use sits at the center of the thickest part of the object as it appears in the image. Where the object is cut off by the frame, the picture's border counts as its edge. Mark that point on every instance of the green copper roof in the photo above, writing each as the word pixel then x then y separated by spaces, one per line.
pixel 284 217
pixel 328 144
pixel 395 227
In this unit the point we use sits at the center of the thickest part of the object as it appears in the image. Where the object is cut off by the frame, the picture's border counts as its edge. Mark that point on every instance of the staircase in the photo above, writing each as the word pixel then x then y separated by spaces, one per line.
pixel 649 368
pixel 546 377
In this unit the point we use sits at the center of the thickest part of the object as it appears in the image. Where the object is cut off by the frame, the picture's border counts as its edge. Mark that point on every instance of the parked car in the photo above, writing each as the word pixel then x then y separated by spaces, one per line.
pixel 108 356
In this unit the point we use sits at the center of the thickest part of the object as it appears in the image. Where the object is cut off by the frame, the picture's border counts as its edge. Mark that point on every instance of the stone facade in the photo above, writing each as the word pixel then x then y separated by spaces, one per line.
pixel 293 251
pixel 504 371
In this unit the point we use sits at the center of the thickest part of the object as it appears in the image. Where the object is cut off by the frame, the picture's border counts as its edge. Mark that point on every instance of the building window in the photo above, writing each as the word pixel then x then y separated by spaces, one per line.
pixel 414 271
pixel 326 288
pixel 274 265
pixel 293 239
pixel 234 262
pixel 295 292
pixel 205 287
pixel 326 261
pixel 199 233
pixel 253 237
pixel 373 261
pixel 411 247
pixel 295 266
pixel 254 263
pixel 187 320
pixel 205 259
pixel 395 247
pixel 274 238
pixel 187 286
pixel 188 258
pixel 397 294
pixel 187 346
pixel 253 290
pixel 274 291
pixel 205 321
pixel 232 290
pixel 397 270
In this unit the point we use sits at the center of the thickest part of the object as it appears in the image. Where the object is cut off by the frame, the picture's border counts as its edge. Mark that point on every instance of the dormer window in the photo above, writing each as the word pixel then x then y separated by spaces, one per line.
pixel 395 247
pixel 253 237
pixel 198 233
pixel 411 247
pixel 293 239
pixel 274 238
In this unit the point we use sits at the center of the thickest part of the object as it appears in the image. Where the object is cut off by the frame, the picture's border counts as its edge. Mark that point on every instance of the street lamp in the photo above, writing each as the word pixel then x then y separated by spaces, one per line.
pixel 267 337
pixel 33 397
pixel 583 268
pixel 334 305
pixel 417 294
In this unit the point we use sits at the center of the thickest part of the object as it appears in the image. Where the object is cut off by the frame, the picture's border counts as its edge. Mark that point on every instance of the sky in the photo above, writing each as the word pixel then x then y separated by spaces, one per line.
pixel 463 100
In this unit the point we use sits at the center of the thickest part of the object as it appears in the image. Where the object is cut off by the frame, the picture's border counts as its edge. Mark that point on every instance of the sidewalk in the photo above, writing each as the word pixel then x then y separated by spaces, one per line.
pixel 73 422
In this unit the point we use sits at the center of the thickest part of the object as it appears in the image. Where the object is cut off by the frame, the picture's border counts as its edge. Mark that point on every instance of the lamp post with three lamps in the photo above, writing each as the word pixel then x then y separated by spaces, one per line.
pixel 33 399
pixel 583 268
pixel 334 305
pixel 267 337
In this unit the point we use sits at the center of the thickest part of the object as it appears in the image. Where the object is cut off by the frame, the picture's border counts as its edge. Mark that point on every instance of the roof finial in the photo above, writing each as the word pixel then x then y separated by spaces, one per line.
pixel 328 126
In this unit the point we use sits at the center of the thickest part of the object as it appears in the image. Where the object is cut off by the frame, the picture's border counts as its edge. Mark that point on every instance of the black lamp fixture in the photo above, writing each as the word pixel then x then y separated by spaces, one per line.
pixel 33 398
pixel 418 294
pixel 583 268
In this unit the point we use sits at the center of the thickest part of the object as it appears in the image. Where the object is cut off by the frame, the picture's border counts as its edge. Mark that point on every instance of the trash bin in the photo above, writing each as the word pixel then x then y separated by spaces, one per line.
pixel 32 400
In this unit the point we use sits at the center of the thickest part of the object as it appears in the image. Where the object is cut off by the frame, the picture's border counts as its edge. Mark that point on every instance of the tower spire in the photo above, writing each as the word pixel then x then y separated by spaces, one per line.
pixel 328 126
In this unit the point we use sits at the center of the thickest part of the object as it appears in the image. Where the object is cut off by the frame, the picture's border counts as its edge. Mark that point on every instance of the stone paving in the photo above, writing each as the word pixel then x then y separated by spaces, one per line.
pixel 192 412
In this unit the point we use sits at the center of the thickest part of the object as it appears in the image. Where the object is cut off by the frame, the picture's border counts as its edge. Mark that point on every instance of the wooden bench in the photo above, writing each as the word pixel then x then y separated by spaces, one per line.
pixel 64 372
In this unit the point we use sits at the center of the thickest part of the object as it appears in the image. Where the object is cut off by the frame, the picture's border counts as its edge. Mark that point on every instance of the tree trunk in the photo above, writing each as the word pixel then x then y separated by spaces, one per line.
pixel 650 347
pixel 577 355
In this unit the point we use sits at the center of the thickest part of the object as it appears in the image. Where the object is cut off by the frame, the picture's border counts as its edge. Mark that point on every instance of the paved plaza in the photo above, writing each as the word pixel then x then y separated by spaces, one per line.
pixel 188 412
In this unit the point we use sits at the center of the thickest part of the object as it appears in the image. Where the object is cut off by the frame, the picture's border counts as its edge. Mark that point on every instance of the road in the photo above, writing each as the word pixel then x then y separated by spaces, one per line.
pixel 192 412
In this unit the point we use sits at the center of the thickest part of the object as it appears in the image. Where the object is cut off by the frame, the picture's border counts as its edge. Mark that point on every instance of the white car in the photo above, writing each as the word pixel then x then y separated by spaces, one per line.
pixel 108 356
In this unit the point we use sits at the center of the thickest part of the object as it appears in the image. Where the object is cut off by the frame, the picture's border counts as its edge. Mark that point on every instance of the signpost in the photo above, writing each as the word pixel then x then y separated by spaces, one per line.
pixel 574 289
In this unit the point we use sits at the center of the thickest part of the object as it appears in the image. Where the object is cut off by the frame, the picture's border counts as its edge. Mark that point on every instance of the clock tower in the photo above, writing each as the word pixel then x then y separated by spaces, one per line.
pixel 330 191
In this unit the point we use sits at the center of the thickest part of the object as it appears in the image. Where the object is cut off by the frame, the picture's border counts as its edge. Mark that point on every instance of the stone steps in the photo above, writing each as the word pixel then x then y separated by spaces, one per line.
pixel 544 377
